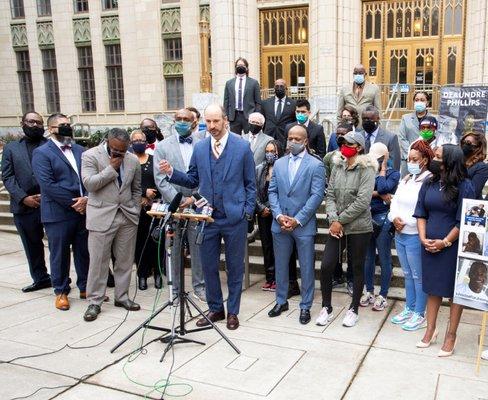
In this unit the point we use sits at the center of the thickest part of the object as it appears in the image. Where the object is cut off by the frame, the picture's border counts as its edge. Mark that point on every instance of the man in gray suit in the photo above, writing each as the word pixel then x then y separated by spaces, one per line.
pixel 112 178
pixel 373 133
pixel 242 97
pixel 360 94
pixel 257 139
pixel 178 150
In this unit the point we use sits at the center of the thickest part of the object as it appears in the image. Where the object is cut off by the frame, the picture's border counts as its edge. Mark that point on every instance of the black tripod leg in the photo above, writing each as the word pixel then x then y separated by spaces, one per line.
pixel 149 319
pixel 222 334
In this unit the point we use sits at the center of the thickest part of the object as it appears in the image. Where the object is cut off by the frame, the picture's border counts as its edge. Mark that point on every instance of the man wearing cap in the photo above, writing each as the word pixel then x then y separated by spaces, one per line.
pixel 428 132
pixel 374 133
pixel 296 191
pixel 257 139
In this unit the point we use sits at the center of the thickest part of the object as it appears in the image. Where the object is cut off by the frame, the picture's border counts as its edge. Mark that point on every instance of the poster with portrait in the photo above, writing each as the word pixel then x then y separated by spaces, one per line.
pixel 462 108
pixel 471 284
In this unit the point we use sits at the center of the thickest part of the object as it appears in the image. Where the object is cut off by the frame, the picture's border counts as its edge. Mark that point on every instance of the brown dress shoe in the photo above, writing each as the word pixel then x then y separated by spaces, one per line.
pixel 232 322
pixel 212 316
pixel 83 297
pixel 62 302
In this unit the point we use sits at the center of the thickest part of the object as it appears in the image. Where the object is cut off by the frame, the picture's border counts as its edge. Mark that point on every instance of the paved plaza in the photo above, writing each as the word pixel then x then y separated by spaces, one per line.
pixel 280 359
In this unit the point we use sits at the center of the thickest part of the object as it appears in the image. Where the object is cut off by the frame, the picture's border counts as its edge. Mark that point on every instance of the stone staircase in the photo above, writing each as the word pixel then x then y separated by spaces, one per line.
pixel 255 251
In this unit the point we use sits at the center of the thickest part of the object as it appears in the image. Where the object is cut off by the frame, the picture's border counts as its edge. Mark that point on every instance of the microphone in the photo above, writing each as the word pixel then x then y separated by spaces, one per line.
pixel 173 206
pixel 200 201
pixel 206 210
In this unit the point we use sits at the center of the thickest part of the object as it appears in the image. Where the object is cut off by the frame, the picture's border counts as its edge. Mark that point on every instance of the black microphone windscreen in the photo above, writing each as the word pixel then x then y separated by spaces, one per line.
pixel 197 196
pixel 173 206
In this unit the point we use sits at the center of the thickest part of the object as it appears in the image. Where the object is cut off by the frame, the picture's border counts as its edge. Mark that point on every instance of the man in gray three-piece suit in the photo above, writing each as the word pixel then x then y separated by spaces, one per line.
pixel 178 150
pixel 112 178
pixel 257 139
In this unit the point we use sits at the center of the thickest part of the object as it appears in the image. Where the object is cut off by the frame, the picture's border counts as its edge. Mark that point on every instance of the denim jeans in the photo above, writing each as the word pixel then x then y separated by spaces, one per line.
pixel 383 244
pixel 409 251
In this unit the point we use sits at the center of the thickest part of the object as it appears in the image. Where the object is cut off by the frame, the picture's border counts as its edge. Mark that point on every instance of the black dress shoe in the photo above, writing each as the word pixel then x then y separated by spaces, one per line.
pixel 142 283
pixel 110 279
pixel 37 286
pixel 293 289
pixel 91 313
pixel 278 309
pixel 129 305
pixel 158 281
pixel 304 317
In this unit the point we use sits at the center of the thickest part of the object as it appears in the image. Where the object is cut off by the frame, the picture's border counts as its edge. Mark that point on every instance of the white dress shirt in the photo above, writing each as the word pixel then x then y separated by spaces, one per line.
pixel 68 153
pixel 186 153
pixel 372 139
pixel 223 142
pixel 238 79
pixel 276 104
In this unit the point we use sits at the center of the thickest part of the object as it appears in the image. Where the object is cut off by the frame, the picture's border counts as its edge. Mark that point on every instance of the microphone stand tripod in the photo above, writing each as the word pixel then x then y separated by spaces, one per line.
pixel 176 334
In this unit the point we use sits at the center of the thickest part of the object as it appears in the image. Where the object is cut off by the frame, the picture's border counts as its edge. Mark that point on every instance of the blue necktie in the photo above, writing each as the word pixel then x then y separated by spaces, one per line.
pixel 239 96
pixel 292 169
pixel 187 139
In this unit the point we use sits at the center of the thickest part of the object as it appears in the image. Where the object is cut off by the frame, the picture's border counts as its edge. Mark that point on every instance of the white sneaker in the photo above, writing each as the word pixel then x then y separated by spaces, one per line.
pixel 380 303
pixel 200 296
pixel 350 319
pixel 403 317
pixel 414 323
pixel 324 317
pixel 484 355
pixel 366 299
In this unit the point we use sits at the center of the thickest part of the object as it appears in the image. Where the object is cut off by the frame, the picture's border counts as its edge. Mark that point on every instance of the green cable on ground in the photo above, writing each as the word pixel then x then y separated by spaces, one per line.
pixel 161 385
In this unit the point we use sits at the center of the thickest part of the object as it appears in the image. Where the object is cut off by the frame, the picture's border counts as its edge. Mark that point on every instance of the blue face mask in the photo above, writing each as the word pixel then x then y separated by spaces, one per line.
pixel 301 118
pixel 419 106
pixel 414 168
pixel 358 78
pixel 183 128
pixel 139 148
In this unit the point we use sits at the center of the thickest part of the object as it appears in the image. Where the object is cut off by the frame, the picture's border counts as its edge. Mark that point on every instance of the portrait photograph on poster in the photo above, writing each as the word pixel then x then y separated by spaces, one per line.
pixel 475 214
pixel 473 242
pixel 471 287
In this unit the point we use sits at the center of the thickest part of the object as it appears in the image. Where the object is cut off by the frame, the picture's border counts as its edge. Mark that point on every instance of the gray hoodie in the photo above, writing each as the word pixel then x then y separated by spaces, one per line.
pixel 349 193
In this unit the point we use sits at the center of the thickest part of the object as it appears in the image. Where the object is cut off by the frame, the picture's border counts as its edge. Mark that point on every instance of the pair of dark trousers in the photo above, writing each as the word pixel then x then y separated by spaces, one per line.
pixel 31 233
pixel 264 225
pixel 234 236
pixel 239 124
pixel 147 261
pixel 61 237
pixel 356 245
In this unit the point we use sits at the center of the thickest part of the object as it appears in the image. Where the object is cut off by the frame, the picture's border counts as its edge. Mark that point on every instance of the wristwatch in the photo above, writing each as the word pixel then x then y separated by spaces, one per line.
pixel 446 242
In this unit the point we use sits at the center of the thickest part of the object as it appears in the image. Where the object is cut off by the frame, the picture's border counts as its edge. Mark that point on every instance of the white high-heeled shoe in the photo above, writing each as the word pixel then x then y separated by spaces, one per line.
pixel 423 345
pixel 443 353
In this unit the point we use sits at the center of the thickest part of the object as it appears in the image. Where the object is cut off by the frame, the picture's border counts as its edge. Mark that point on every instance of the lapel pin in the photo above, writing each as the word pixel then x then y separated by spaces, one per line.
pixel 287 103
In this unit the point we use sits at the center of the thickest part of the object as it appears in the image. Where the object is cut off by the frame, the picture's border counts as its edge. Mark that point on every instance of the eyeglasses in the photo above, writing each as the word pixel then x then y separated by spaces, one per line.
pixel 32 122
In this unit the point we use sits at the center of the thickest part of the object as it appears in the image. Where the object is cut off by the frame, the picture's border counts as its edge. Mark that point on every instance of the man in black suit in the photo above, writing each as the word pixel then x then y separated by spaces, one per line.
pixel 315 132
pixel 25 197
pixel 373 133
pixel 242 97
pixel 278 111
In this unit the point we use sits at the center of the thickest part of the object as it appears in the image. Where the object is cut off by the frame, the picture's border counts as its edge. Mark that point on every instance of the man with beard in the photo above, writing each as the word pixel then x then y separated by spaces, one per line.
pixel 57 168
pixel 25 196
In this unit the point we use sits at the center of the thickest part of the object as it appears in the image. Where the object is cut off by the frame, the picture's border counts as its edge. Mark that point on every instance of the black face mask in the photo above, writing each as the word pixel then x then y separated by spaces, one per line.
pixel 369 126
pixel 65 130
pixel 468 149
pixel 35 133
pixel 280 92
pixel 435 167
pixel 150 135
pixel 240 69
pixel 254 129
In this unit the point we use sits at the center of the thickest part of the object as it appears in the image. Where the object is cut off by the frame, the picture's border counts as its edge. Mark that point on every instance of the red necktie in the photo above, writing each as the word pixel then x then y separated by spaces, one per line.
pixel 150 146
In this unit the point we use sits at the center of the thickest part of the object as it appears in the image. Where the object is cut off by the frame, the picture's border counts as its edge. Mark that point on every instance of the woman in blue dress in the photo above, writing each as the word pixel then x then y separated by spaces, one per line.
pixel 438 214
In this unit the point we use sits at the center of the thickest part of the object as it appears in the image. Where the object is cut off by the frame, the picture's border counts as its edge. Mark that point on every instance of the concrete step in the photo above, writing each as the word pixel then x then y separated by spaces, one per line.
pixel 6 218
pixel 4 195
pixel 4 206
pixel 9 228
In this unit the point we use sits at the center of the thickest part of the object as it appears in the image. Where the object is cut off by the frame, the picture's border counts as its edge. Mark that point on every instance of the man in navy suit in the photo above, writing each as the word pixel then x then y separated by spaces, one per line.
pixel 222 167
pixel 57 167
pixel 25 197
pixel 296 190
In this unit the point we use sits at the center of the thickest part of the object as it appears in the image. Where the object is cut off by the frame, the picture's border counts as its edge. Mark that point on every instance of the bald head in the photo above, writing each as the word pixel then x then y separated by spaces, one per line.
pixel 216 120
pixel 184 115
pixel 359 69
pixel 299 130
pixel 280 82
